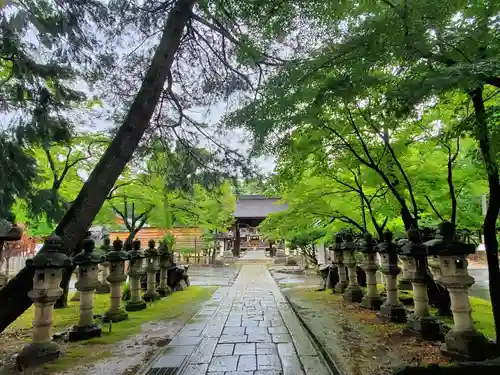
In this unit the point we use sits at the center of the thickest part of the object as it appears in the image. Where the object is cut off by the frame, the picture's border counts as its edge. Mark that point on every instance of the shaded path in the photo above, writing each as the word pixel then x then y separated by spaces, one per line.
pixel 246 329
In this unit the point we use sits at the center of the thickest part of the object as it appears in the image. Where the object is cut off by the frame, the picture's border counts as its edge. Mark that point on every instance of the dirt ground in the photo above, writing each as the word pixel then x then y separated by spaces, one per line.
pixel 357 341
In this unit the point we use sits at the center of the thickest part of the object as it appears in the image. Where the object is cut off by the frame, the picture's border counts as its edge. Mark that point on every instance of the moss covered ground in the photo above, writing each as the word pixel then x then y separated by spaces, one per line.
pixel 180 305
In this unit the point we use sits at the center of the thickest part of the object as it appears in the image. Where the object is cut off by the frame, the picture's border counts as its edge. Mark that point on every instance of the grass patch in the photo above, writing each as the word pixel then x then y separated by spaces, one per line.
pixel 178 305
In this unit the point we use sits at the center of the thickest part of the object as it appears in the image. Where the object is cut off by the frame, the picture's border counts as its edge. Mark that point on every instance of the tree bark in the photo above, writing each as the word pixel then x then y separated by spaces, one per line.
pixel 489 225
pixel 74 224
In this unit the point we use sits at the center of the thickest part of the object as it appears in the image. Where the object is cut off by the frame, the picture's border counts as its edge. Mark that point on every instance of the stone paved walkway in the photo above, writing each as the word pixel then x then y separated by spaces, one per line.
pixel 247 328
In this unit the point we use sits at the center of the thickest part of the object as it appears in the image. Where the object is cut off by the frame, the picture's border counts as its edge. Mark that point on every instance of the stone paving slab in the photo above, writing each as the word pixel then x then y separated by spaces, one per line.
pixel 247 328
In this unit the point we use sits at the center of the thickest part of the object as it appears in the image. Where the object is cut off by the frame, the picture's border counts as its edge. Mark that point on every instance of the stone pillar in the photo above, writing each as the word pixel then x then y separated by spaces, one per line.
pixel 420 321
pixel 88 279
pixel 135 271
pixel 165 262
pixel 338 260
pixel 391 310
pixel 353 292
pixel 404 282
pixel 104 286
pixel 116 259
pixel 47 266
pixel 371 300
pixel 13 234
pixel 463 341
pixel 227 256
pixel 321 254
pixel 280 257
pixel 151 269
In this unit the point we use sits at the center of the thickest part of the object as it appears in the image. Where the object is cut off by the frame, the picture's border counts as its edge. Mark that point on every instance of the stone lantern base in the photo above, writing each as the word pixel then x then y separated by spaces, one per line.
pixel 151 297
pixel 115 316
pixel 84 333
pixel 353 294
pixel 371 303
pixel 392 313
pixel 136 305
pixel 37 354
pixel 164 291
pixel 404 284
pixel 427 327
pixel 466 346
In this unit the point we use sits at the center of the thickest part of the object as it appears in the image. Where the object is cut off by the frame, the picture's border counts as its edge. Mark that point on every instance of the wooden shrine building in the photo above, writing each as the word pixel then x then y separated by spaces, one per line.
pixel 250 211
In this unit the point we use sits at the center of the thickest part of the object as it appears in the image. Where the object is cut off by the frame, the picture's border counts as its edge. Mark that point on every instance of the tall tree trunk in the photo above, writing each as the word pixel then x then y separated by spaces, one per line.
pixel 74 224
pixel 62 302
pixel 489 225
pixel 237 240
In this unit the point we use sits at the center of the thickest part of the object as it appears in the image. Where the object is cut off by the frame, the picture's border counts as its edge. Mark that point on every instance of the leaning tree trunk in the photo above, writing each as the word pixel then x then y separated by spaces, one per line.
pixel 489 225
pixel 74 224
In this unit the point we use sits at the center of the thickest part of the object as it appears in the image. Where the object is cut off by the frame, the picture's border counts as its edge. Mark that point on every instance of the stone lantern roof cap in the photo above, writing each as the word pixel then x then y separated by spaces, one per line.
pixel 163 249
pixel 387 246
pixel 9 231
pixel 151 251
pixel 50 255
pixel 367 244
pixel 88 255
pixel 338 241
pixel 414 246
pixel 128 245
pixel 117 254
pixel 137 252
pixel 446 244
pixel 348 243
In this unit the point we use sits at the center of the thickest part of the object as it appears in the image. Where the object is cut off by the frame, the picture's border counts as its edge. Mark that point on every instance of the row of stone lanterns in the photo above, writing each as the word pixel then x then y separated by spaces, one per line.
pixel 463 340
pixel 48 266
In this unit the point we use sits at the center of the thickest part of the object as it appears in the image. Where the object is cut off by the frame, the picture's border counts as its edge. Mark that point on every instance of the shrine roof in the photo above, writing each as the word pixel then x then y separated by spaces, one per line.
pixel 257 206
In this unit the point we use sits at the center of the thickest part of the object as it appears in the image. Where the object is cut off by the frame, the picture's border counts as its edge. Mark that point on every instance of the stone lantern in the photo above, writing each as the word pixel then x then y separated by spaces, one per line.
pixel 353 292
pixel 135 271
pixel 13 234
pixel 463 340
pixel 420 321
pixel 371 300
pixel 47 266
pixel 104 286
pixel 338 260
pixel 391 310
pixel 116 259
pixel 151 268
pixel 88 279
pixel 165 262
pixel 404 282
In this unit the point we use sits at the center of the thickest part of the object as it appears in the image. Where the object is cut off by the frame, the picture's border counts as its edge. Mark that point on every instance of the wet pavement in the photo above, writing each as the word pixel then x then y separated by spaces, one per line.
pixel 247 328
pixel 220 276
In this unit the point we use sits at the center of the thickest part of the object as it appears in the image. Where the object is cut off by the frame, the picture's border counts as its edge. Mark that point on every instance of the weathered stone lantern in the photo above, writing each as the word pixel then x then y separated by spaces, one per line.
pixel 391 310
pixel 353 292
pixel 13 234
pixel 371 300
pixel 165 262
pixel 116 259
pixel 47 266
pixel 88 279
pixel 151 268
pixel 338 260
pixel 420 321
pixel 404 282
pixel 135 271
pixel 104 286
pixel 463 341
